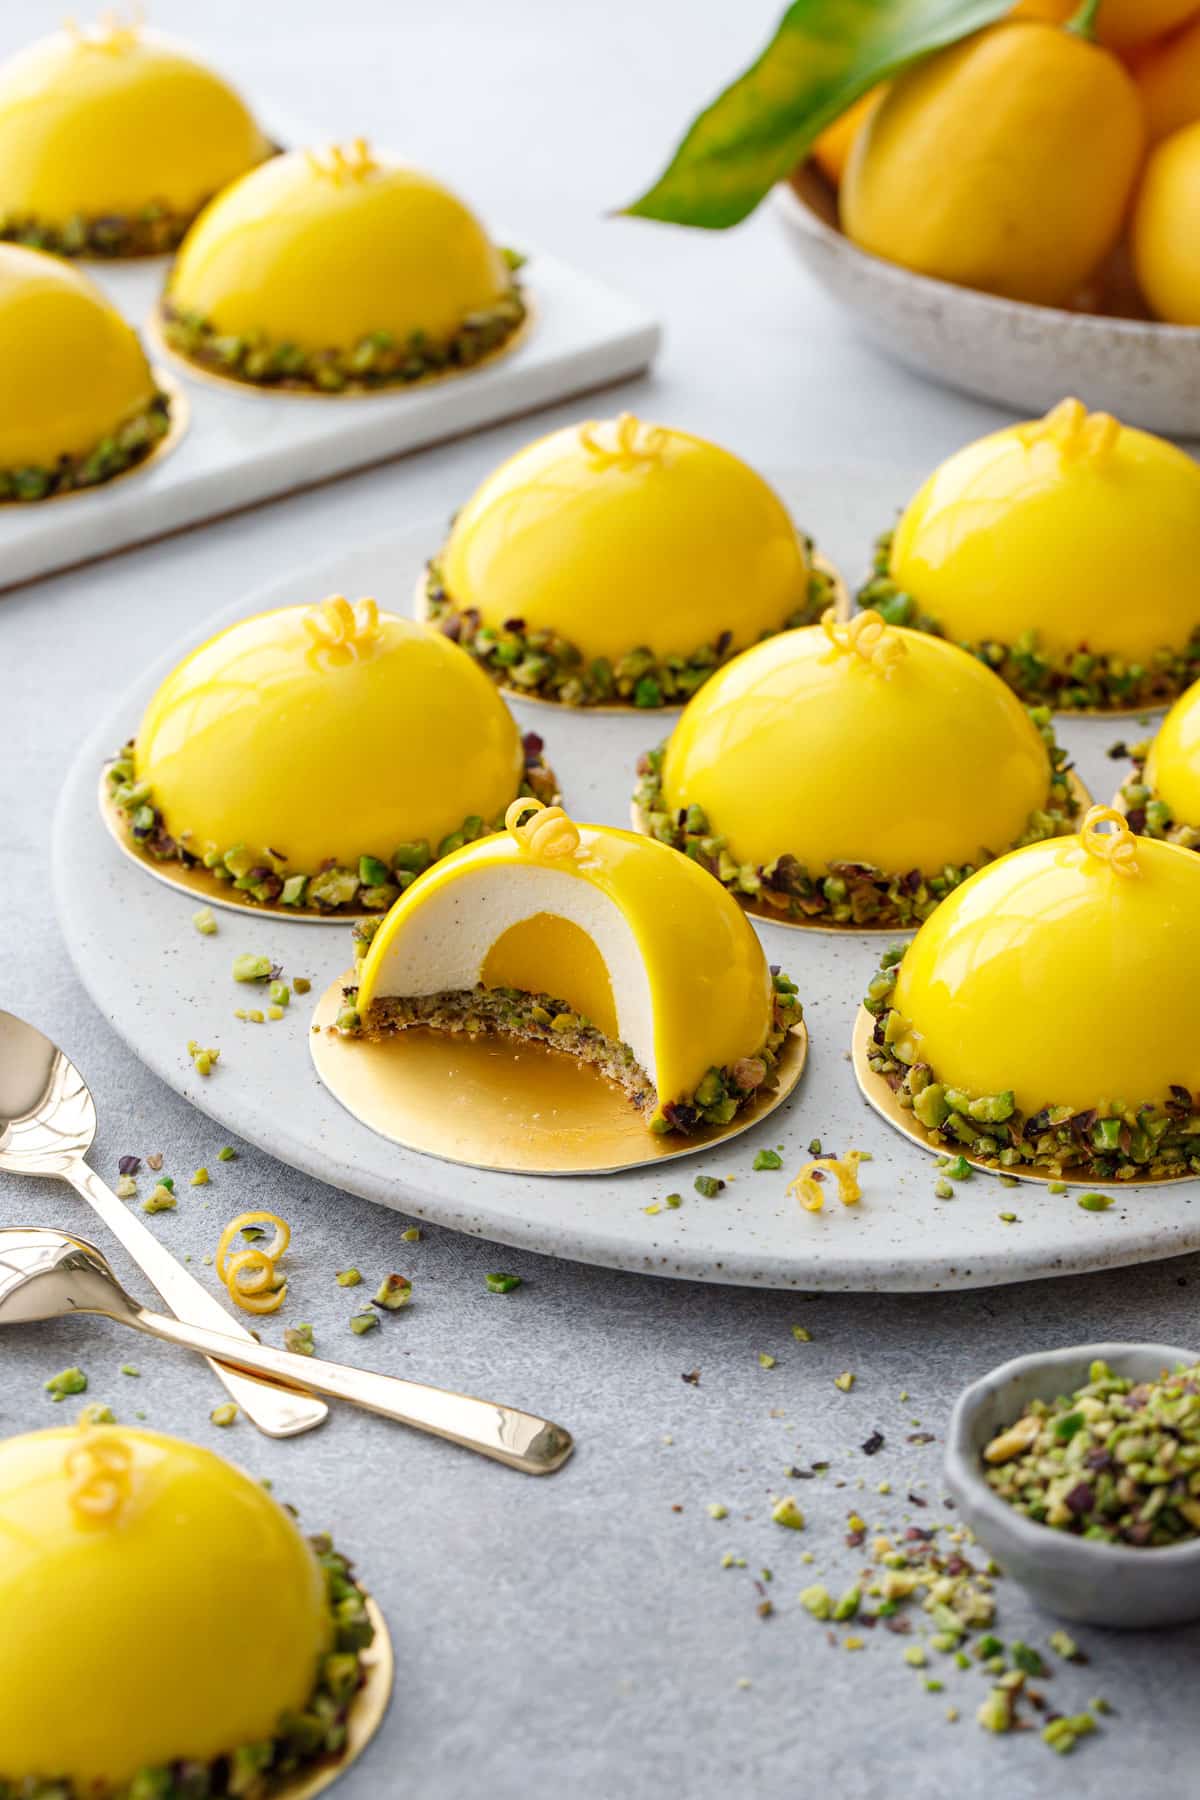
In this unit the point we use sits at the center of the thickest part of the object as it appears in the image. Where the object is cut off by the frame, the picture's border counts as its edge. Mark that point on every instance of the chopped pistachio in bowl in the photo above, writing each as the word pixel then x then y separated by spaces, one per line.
pixel 1087 1579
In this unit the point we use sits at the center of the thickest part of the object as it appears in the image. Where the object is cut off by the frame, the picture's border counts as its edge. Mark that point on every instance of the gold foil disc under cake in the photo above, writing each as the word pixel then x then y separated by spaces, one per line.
pixel 886 1103
pixel 759 909
pixel 421 610
pixel 202 885
pixel 495 1102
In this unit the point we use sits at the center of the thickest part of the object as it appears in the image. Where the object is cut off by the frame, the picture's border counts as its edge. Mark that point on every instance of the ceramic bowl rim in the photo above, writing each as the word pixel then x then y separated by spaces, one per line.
pixel 961 1462
pixel 792 202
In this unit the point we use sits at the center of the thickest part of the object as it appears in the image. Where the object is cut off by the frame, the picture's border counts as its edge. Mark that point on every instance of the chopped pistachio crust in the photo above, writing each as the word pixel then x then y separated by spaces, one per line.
pixel 378 360
pixel 1147 814
pixel 1088 681
pixel 852 893
pixel 1112 1141
pixel 130 444
pixel 1113 1461
pixel 256 1771
pixel 544 664
pixel 262 875
pixel 542 1019
pixel 152 231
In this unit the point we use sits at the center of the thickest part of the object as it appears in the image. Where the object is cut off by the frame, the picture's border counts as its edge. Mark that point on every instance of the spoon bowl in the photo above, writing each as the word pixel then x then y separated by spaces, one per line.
pixel 50 1275
pixel 47 1115
pixel 47 1274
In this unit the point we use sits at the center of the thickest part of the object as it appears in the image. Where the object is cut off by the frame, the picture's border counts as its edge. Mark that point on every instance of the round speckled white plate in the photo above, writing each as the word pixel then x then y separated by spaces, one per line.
pixel 160 983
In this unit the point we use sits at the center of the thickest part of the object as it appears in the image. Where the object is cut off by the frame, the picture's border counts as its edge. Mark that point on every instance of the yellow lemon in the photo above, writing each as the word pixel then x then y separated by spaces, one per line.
pixel 1168 75
pixel 1166 228
pixel 1122 24
pixel 967 172
pixel 831 151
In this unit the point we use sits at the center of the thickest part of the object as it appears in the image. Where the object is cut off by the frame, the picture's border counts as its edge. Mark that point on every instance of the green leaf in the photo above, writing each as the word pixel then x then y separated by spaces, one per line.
pixel 825 54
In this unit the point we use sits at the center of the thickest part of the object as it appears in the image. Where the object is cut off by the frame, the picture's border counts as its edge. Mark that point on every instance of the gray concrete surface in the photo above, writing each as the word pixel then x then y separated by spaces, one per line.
pixel 576 1637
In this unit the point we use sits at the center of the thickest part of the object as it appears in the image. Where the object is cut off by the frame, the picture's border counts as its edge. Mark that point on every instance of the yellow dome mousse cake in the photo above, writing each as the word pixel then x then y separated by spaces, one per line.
pixel 597 944
pixel 78 401
pixel 1045 1017
pixel 112 139
pixel 167 1629
pixel 617 562
pixel 338 271
pixel 319 758
pixel 1162 796
pixel 853 774
pixel 1065 553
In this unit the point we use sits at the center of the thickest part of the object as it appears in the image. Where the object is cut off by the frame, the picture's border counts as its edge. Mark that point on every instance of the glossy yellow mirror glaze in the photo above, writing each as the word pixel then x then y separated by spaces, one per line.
pixel 179 1626
pixel 110 119
pixel 1082 530
pixel 795 747
pixel 320 248
pixel 71 369
pixel 618 534
pixel 1173 765
pixel 1058 974
pixel 709 984
pixel 279 734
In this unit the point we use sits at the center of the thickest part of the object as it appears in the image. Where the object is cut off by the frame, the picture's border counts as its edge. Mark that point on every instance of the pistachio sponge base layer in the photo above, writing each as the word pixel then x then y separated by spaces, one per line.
pixel 366 1715
pixel 760 910
pixel 202 885
pixel 842 606
pixel 496 1103
pixel 886 1103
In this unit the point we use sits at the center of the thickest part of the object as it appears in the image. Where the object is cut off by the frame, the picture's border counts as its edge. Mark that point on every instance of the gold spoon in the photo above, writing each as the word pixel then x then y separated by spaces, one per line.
pixel 47 1123
pixel 49 1275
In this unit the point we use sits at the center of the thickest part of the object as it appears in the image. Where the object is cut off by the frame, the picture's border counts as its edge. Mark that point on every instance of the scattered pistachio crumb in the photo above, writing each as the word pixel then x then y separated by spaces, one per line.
pixel 708 1185
pixel 224 1414
pixel 199 1179
pixel 205 921
pixel 652 1208
pixel 1064 1645
pixel 155 1161
pixel 768 1159
pixel 854 1643
pixel 817 1600
pixel 126 1187
pixel 802 1334
pixel 786 1512
pixel 227 1154
pixel 915 1656
pixel 299 1340
pixel 717 1511
pixel 845 1381
pixel 1056 1187
pixel 129 1369
pixel 501 1284
pixel 274 1012
pixel 674 1201
pixel 411 1236
pixel 160 1199
pixel 393 1292
pixel 249 967
pixel 766 1360
pixel 363 1322
pixel 847 1606
pixel 347 1277
pixel 1094 1203
pixel 301 984
pixel 943 1190
pixel 1009 1218
pixel 97 1413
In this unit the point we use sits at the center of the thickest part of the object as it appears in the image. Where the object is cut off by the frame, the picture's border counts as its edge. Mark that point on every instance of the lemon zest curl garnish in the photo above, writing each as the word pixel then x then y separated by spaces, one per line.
pixel 633 443
pixel 867 635
pixel 250 1274
pixel 543 832
pixel 807 1185
pixel 98 1473
pixel 1118 847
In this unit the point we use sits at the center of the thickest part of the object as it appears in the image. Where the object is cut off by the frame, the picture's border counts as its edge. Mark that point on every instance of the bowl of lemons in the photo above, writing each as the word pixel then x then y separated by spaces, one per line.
pixel 1012 206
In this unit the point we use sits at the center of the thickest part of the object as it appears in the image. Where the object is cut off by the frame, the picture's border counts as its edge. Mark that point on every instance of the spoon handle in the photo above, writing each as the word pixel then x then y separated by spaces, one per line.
pixel 523 1441
pixel 279 1412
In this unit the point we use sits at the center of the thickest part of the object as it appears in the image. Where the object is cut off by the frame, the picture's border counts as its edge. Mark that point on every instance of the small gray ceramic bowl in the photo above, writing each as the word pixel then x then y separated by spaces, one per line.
pixel 1078 1578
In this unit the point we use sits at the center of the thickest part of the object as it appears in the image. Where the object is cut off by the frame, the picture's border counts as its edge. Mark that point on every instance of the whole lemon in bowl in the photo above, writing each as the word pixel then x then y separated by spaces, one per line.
pixel 1166 229
pixel 1168 75
pixel 1005 163
pixel 1121 24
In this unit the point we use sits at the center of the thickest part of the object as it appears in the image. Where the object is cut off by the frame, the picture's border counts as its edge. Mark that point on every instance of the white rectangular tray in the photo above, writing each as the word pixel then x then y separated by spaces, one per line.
pixel 242 447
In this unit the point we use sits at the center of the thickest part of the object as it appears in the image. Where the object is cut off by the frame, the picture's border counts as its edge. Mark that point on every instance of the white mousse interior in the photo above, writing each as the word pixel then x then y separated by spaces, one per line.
pixel 443 946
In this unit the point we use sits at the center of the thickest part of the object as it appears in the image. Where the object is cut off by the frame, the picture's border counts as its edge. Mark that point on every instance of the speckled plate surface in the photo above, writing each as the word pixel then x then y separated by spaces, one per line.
pixel 160 983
